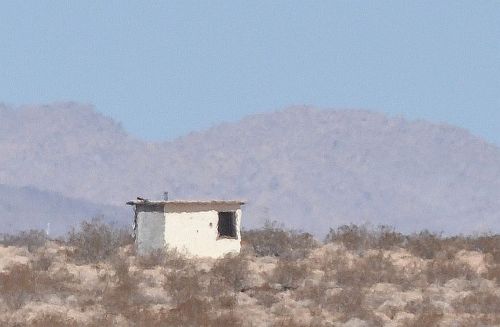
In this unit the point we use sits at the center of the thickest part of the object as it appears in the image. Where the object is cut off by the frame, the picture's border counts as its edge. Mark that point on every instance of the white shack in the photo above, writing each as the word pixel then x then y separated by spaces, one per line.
pixel 196 228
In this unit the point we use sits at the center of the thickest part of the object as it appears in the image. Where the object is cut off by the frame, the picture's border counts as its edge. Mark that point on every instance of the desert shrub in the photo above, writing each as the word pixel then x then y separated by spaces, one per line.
pixel 192 312
pixel 42 261
pixel 289 273
pixel 176 260
pixel 228 319
pixel 18 285
pixel 387 238
pixel 273 240
pixel 32 239
pixel 135 316
pixel 349 302
pixel 168 258
pixel 368 270
pixel 353 237
pixel 122 287
pixel 364 237
pixel 266 298
pixel 478 321
pixel 58 281
pixel 488 244
pixel 425 244
pixel 493 273
pixel 426 318
pixel 21 283
pixel 313 292
pixel 50 319
pixel 440 270
pixel 95 240
pixel 317 320
pixel 215 286
pixel 287 322
pixel 152 259
pixel 264 294
pixel 227 301
pixel 330 261
pixel 219 292
pixel 139 316
pixel 426 314
pixel 184 286
pixel 233 270
pixel 479 302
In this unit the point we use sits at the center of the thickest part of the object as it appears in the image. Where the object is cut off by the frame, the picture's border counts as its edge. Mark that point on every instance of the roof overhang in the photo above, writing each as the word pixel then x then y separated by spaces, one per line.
pixel 186 202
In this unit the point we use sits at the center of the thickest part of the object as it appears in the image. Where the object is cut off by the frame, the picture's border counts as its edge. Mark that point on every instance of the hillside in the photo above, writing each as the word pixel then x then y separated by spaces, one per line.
pixel 26 207
pixel 309 168
pixel 357 277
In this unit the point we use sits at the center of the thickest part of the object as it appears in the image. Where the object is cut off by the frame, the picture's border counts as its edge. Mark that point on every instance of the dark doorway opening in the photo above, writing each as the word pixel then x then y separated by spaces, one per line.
pixel 227 224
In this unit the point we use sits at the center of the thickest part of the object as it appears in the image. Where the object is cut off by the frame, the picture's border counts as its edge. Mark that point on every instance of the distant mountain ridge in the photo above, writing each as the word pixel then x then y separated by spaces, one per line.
pixel 28 208
pixel 308 168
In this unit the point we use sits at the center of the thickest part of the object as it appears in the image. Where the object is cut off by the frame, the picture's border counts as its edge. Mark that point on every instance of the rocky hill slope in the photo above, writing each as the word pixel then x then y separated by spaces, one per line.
pixel 25 207
pixel 307 167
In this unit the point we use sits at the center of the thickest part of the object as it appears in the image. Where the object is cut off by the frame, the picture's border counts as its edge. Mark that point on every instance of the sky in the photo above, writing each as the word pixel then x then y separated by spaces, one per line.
pixel 165 68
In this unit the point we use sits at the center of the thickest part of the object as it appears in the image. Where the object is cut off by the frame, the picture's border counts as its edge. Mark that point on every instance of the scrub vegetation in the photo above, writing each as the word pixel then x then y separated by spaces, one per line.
pixel 356 276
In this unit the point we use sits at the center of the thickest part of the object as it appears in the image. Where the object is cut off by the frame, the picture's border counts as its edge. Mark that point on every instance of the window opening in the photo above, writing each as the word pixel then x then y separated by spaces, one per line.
pixel 227 224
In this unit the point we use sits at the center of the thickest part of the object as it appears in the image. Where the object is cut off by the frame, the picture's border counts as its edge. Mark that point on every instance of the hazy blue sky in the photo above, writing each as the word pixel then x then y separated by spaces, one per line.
pixel 166 68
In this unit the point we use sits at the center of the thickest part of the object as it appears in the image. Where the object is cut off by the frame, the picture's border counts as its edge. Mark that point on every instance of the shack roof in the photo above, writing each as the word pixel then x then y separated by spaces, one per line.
pixel 190 202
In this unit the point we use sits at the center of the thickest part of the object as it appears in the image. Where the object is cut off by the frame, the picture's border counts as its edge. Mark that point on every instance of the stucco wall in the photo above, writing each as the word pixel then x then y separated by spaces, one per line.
pixel 194 230
pixel 150 230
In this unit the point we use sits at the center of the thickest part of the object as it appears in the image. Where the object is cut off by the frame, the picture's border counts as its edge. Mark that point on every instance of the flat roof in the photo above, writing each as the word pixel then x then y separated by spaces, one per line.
pixel 163 202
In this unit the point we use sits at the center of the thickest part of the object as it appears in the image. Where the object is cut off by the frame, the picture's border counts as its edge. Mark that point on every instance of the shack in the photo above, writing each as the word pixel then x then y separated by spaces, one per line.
pixel 196 228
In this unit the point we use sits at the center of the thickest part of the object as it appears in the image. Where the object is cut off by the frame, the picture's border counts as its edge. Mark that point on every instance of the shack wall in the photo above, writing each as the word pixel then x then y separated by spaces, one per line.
pixel 150 227
pixel 193 230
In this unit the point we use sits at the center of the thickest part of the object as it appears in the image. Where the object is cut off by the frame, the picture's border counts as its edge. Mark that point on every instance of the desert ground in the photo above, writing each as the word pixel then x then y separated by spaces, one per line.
pixel 356 276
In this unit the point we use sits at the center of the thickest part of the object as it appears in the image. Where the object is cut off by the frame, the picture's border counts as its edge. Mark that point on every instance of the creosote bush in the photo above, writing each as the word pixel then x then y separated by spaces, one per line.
pixel 478 302
pixel 23 282
pixel 289 273
pixel 53 320
pixel 121 289
pixel 43 261
pixel 32 239
pixel 233 270
pixel 18 285
pixel 426 314
pixel 349 302
pixel 364 237
pixel 274 240
pixel 265 295
pixel 493 273
pixel 489 244
pixel 96 240
pixel 368 270
pixel 152 259
pixel 441 270
pixel 194 311
pixel 287 322
pixel 425 244
pixel 168 258
pixel 183 286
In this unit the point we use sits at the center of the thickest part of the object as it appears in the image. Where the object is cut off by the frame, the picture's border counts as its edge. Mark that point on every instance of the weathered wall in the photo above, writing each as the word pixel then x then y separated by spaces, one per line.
pixel 193 230
pixel 150 229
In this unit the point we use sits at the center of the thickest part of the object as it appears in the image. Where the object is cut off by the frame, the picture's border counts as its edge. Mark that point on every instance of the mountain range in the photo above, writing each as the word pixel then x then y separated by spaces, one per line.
pixel 310 169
